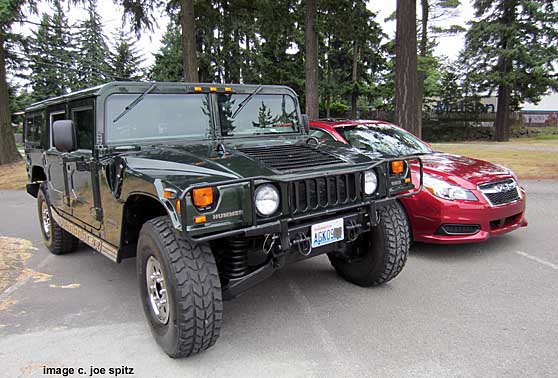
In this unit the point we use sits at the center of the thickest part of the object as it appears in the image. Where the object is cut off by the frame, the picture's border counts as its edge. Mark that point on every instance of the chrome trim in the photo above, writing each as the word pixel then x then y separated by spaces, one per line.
pixel 98 244
pixel 169 205
pixel 508 183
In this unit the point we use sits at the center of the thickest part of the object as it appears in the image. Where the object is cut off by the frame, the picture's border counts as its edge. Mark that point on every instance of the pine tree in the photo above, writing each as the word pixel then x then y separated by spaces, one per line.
pixel 10 11
pixel 125 58
pixel 93 67
pixel 52 56
pixel 44 70
pixel 511 48
pixel 168 60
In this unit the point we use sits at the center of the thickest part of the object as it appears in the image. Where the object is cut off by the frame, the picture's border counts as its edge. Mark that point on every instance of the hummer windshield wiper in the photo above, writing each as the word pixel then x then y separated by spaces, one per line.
pixel 245 101
pixel 136 101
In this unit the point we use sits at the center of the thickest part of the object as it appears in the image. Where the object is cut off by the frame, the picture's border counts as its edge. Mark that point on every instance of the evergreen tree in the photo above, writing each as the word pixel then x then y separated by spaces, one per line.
pixel 168 60
pixel 351 55
pixel 432 13
pixel 44 71
pixel 52 56
pixel 93 66
pixel 125 58
pixel 10 11
pixel 512 49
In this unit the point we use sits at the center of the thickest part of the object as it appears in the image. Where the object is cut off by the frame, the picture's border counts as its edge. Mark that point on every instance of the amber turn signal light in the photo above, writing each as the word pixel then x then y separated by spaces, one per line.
pixel 200 219
pixel 169 194
pixel 397 166
pixel 202 197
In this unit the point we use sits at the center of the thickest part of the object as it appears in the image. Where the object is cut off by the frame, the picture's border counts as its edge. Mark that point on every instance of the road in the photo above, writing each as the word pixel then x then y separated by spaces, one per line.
pixel 485 310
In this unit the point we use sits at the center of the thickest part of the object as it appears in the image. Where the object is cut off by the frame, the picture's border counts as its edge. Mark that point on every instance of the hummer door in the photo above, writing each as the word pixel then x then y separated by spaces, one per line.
pixel 81 181
pixel 54 167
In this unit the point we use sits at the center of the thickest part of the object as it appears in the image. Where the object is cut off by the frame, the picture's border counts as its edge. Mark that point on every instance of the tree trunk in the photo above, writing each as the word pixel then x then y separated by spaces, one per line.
pixel 407 113
pixel 311 62
pixel 187 22
pixel 354 77
pixel 8 149
pixel 502 124
pixel 423 52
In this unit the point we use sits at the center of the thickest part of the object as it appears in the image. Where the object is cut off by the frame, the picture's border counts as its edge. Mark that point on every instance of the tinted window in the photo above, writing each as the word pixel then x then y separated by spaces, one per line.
pixel 157 117
pixel 84 121
pixel 33 130
pixel 262 114
pixel 385 139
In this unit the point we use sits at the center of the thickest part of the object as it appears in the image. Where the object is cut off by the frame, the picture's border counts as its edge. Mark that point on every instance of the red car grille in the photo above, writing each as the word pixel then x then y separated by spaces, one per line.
pixel 500 192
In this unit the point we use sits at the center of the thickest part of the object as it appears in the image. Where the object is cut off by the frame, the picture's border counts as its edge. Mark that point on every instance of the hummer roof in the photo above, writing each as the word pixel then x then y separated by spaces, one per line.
pixel 104 90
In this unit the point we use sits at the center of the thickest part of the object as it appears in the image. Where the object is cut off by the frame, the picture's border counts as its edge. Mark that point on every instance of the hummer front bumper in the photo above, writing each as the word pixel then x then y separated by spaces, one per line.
pixel 280 225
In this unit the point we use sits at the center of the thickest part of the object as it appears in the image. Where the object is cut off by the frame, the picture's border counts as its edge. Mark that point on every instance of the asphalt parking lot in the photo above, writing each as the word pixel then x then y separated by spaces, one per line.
pixel 484 310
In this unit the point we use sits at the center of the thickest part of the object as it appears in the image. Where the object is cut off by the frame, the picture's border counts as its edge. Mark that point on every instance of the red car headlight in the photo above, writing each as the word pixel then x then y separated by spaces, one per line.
pixel 445 190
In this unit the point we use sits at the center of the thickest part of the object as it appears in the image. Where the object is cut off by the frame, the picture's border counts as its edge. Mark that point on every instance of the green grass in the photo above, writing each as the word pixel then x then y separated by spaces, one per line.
pixel 545 137
pixel 528 158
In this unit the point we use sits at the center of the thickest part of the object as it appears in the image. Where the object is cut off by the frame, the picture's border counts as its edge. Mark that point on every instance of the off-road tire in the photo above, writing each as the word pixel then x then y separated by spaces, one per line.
pixel 58 240
pixel 193 289
pixel 380 254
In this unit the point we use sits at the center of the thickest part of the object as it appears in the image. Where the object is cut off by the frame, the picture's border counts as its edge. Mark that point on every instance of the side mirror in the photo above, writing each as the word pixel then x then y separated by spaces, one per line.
pixel 305 123
pixel 64 135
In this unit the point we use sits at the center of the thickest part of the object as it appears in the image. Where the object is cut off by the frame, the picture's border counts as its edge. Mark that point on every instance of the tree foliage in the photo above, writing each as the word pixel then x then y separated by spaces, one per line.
pixel 125 58
pixel 93 64
pixel 51 56
pixel 511 48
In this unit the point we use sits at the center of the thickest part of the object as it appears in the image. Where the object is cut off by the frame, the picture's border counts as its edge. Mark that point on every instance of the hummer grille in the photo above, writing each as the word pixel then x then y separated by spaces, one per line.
pixel 290 158
pixel 323 192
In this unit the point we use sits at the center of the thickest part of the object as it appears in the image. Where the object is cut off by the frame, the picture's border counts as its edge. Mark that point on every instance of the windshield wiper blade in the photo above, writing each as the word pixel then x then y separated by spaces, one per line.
pixel 136 101
pixel 245 101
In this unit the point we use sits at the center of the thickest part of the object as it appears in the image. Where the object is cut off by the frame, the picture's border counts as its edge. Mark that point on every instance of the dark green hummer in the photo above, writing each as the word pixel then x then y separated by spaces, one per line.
pixel 212 188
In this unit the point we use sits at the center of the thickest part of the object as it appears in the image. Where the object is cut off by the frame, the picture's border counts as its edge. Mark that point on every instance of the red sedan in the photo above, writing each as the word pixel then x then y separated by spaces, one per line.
pixel 465 200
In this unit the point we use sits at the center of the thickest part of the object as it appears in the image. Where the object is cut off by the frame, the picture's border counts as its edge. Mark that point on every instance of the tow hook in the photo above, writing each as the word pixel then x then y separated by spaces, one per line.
pixel 303 244
pixel 352 229
pixel 272 244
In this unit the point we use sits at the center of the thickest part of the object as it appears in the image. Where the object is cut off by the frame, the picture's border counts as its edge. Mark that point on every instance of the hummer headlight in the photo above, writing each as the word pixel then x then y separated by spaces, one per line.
pixel 370 182
pixel 266 199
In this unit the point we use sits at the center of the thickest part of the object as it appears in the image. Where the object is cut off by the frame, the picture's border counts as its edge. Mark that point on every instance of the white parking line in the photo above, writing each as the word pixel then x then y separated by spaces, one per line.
pixel 540 261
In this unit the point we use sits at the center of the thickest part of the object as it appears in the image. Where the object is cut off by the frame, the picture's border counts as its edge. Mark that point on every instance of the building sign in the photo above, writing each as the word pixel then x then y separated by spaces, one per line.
pixel 485 105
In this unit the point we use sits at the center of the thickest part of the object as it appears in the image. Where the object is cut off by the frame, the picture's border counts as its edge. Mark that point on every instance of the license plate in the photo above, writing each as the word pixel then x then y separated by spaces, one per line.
pixel 327 232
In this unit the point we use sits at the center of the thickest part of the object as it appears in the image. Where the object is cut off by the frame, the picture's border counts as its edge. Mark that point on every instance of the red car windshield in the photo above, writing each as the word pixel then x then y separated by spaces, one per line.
pixel 384 139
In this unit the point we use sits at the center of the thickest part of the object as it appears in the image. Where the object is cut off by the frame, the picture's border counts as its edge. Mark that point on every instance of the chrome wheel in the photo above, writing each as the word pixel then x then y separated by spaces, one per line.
pixel 45 219
pixel 157 290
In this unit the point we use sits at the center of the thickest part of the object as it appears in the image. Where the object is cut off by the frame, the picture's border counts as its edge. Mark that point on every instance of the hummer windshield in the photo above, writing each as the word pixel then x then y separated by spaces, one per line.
pixel 157 117
pixel 262 114
pixel 171 116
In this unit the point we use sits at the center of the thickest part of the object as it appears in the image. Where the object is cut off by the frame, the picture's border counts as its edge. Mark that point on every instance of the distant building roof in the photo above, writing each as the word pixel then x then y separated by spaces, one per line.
pixel 548 103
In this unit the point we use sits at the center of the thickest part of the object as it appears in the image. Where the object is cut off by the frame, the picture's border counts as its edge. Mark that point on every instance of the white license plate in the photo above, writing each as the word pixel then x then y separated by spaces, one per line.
pixel 327 232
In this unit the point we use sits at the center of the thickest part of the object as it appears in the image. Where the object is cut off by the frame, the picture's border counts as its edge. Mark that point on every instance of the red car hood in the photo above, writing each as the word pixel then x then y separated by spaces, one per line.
pixel 463 171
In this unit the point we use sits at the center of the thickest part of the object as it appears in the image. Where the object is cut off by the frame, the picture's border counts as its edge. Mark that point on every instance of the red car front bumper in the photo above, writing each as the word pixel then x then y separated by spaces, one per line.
pixel 439 221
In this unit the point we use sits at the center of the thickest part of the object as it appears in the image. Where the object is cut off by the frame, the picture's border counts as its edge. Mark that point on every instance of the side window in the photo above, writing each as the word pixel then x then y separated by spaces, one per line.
pixel 84 119
pixel 321 135
pixel 33 130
